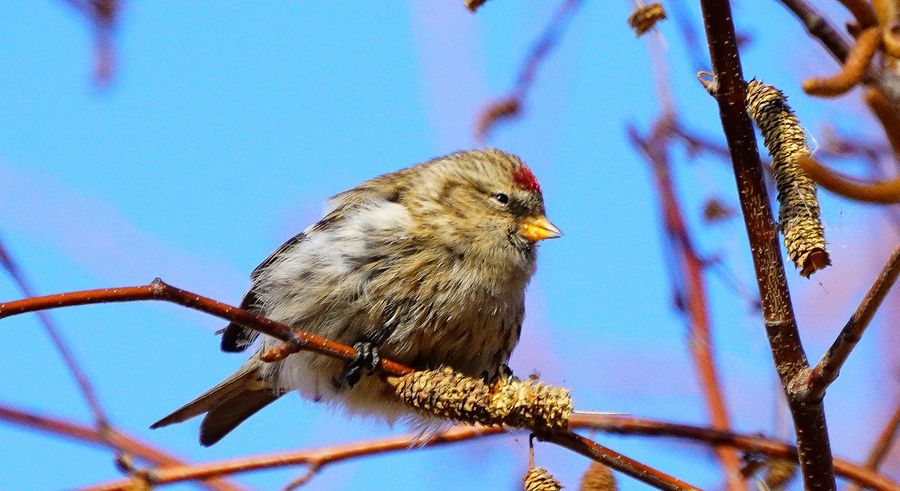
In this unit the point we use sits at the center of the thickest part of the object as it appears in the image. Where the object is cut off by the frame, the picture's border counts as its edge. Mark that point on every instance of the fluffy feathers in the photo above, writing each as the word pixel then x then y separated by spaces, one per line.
pixel 426 263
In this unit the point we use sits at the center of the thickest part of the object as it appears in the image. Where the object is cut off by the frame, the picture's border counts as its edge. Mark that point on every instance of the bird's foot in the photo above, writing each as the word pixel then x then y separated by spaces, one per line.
pixel 366 357
pixel 502 373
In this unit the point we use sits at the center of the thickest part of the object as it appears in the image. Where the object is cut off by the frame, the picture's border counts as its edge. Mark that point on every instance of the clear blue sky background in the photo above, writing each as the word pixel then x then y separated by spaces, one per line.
pixel 228 124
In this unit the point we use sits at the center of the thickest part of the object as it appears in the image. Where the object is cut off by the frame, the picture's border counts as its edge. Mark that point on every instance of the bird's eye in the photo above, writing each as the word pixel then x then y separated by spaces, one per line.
pixel 501 198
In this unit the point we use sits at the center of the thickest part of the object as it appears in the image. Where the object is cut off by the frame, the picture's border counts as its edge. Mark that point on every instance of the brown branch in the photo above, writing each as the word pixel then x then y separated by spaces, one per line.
pixel 781 325
pixel 112 439
pixel 617 461
pixel 830 365
pixel 160 291
pixel 627 425
pixel 693 292
pixel 882 445
pixel 295 340
pixel 870 192
pixel 862 11
pixel 623 425
pixel 819 28
pixel 853 70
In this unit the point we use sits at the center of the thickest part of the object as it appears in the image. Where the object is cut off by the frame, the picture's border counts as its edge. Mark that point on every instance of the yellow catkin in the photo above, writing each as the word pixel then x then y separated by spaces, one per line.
pixel 798 213
pixel 644 18
pixel 598 477
pixel 509 401
pixel 539 479
pixel 779 472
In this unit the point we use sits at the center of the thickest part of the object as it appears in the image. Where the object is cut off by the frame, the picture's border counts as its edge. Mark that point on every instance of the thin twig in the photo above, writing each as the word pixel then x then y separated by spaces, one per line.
pixel 511 105
pixel 113 439
pixel 778 313
pixel 622 425
pixel 870 192
pixel 830 365
pixel 101 422
pixel 160 291
pixel 617 461
pixel 819 28
pixel 693 291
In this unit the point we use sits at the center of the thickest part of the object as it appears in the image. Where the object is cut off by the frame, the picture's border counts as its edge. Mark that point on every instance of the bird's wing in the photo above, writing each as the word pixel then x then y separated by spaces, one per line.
pixel 236 338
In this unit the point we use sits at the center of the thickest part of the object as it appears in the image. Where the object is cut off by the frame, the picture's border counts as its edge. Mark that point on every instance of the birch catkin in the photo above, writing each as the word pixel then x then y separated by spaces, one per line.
pixel 509 401
pixel 798 212
pixel 539 479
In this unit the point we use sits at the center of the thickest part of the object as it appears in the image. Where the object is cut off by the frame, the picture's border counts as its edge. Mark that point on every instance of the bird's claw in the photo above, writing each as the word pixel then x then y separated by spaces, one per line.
pixel 367 357
pixel 502 373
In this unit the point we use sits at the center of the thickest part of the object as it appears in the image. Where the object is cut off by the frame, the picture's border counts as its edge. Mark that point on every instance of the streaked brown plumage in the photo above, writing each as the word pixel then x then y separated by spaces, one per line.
pixel 427 264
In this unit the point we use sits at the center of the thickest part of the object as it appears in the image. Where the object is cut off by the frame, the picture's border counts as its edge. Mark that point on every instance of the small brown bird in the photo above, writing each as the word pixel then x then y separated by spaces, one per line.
pixel 426 266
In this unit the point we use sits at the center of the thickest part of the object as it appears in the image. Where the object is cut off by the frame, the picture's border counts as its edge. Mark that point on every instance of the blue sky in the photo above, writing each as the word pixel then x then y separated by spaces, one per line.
pixel 229 123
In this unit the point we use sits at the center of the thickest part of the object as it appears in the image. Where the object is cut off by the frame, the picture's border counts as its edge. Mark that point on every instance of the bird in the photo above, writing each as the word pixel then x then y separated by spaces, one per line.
pixel 426 266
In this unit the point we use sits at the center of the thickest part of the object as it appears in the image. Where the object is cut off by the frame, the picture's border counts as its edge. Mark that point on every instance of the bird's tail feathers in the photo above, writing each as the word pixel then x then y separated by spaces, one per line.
pixel 227 404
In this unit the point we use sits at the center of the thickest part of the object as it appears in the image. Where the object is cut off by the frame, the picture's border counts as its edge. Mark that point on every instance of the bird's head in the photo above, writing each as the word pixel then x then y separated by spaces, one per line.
pixel 483 203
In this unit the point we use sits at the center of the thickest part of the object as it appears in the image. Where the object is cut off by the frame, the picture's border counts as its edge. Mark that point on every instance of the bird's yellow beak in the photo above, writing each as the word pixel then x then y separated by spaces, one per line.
pixel 538 228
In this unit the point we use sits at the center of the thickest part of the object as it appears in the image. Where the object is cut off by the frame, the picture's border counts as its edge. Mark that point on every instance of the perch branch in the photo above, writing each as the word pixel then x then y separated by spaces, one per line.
pixel 294 340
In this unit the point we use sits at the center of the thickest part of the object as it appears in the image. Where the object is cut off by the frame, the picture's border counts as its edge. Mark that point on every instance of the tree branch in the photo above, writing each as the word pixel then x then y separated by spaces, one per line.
pixel 87 391
pixel 781 325
pixel 830 365
pixel 296 340
pixel 623 425
pixel 692 293
pixel 819 28
pixel 113 439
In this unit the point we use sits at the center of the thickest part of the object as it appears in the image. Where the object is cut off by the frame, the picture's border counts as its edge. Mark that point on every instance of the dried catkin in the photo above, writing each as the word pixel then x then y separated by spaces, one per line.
pixel 598 477
pixel 509 401
pixel 539 479
pixel 779 472
pixel 645 17
pixel 798 213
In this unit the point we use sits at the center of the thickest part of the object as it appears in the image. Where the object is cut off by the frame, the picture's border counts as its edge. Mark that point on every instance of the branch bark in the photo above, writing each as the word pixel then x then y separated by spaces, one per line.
pixel 781 325
pixel 830 365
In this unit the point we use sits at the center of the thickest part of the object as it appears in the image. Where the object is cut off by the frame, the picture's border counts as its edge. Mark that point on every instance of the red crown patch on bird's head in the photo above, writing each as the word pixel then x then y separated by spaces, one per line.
pixel 525 179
